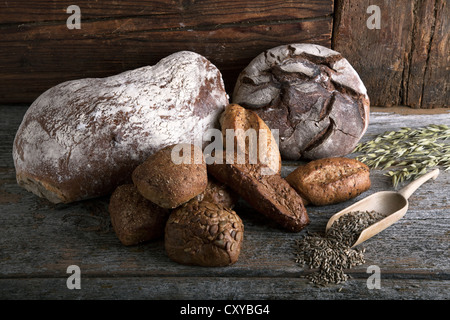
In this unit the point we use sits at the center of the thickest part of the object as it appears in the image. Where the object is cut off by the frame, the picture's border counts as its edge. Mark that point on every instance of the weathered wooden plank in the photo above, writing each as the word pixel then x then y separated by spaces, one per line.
pixel 436 85
pixel 166 13
pixel 378 55
pixel 81 234
pixel 38 51
pixel 220 288
pixel 406 60
pixel 416 63
pixel 428 66
pixel 39 240
pixel 34 58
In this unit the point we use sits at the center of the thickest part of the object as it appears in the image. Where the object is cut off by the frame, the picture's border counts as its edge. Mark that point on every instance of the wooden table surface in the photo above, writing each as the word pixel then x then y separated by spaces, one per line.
pixel 39 240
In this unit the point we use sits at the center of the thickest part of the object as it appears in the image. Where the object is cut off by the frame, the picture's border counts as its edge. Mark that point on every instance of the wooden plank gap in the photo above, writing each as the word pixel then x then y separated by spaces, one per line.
pixel 433 27
pixel 407 63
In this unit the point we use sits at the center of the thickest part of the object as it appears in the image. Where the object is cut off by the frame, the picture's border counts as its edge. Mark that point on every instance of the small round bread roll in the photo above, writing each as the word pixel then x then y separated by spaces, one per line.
pixel 172 176
pixel 205 234
pixel 219 193
pixel 134 218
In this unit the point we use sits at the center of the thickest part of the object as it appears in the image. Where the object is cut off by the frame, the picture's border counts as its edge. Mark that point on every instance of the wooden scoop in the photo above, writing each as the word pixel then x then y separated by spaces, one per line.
pixel 392 204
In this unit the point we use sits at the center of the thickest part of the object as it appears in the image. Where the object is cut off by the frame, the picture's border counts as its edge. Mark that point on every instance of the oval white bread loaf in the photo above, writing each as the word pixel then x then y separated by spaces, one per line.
pixel 83 138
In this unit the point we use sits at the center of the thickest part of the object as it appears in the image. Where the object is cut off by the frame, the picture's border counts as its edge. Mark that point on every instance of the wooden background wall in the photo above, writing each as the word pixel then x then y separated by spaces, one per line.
pixel 405 62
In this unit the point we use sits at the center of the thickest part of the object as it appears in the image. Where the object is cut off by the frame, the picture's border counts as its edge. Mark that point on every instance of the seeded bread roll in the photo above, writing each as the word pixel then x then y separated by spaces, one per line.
pixel 270 195
pixel 172 176
pixel 311 94
pixel 218 192
pixel 252 137
pixel 331 180
pixel 205 234
pixel 83 138
pixel 134 218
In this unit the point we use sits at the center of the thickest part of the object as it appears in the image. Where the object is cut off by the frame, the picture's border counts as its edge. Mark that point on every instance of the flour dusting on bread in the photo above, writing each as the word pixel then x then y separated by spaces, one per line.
pixel 86 132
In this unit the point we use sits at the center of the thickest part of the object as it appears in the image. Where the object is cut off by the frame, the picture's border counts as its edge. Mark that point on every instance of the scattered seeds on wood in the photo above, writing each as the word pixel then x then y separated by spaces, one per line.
pixel 331 253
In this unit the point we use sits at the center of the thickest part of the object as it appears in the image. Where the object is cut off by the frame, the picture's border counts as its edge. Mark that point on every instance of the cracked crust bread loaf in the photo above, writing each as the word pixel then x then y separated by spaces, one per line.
pixel 311 94
pixel 204 233
pixel 134 218
pixel 83 138
pixel 172 176
pixel 331 180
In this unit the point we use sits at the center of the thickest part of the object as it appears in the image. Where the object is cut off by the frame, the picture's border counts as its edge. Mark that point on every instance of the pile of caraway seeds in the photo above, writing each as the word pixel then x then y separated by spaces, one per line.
pixel 331 253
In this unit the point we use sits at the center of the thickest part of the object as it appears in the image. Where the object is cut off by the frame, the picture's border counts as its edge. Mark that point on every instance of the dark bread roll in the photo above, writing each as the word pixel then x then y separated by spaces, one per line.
pixel 270 195
pixel 220 193
pixel 331 180
pixel 83 138
pixel 134 218
pixel 311 94
pixel 172 176
pixel 205 234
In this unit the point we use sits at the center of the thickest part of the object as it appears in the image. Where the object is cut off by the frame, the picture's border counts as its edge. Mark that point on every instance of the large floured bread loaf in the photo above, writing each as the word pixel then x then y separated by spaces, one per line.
pixel 83 138
pixel 311 94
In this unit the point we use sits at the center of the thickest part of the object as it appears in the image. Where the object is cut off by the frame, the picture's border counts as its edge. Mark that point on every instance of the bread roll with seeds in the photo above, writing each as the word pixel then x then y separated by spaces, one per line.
pixel 172 176
pixel 134 218
pixel 270 195
pixel 205 234
pixel 218 192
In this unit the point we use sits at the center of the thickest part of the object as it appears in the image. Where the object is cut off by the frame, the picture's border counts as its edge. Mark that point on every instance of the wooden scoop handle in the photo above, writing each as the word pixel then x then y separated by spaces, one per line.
pixel 413 186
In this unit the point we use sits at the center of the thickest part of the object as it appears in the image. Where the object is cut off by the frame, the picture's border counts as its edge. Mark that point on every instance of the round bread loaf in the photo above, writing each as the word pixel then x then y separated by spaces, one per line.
pixel 83 138
pixel 311 94
pixel 134 218
pixel 204 233
pixel 172 176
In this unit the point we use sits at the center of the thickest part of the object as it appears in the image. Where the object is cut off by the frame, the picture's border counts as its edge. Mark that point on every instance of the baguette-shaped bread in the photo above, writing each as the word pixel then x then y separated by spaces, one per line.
pixel 270 195
pixel 330 180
